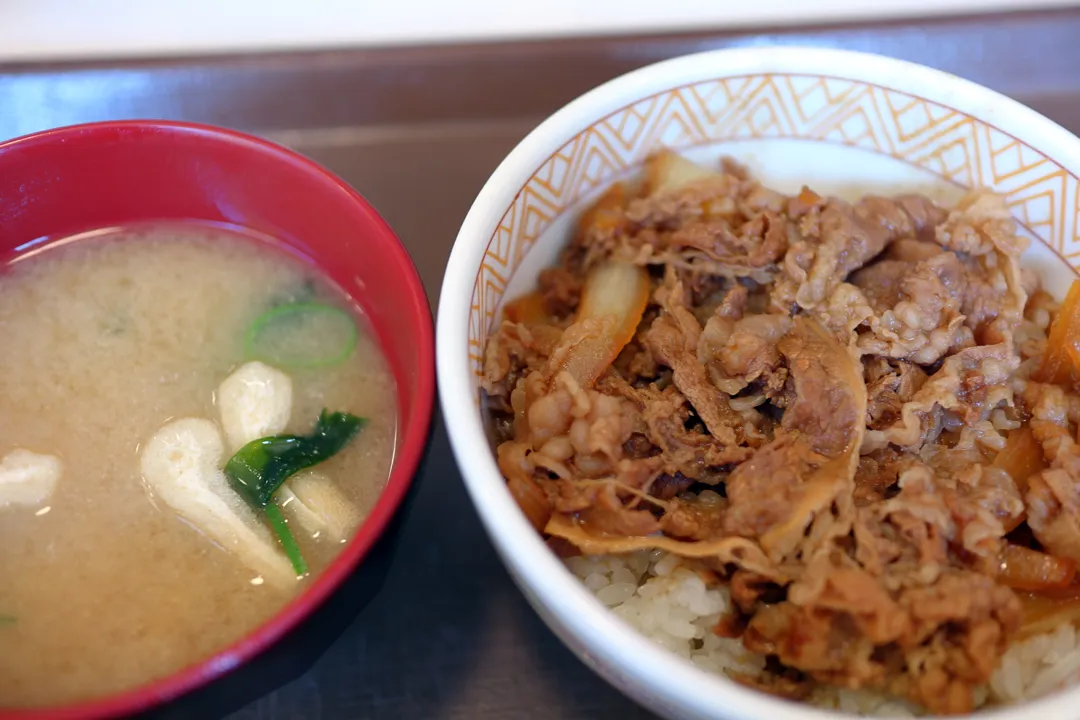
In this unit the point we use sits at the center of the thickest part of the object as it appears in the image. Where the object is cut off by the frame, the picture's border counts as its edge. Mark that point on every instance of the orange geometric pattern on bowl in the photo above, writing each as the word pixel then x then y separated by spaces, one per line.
pixel 959 148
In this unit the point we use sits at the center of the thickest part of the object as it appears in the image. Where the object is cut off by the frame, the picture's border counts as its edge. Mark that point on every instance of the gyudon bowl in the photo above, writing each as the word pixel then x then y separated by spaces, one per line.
pixel 763 384
pixel 216 372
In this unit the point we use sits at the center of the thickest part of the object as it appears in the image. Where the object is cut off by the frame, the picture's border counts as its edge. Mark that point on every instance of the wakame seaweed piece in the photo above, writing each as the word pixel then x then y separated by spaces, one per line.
pixel 306 293
pixel 257 469
pixel 7 620
pixel 302 335
pixel 288 543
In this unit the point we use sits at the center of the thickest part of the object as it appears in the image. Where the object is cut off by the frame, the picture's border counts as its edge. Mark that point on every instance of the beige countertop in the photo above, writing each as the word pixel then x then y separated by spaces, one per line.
pixel 32 30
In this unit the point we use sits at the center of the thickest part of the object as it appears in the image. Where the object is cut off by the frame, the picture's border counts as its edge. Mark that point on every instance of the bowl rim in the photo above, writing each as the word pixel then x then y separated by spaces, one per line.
pixel 411 446
pixel 597 635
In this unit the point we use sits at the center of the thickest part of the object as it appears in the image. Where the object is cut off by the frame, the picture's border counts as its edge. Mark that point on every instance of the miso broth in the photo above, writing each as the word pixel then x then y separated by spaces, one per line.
pixel 102 342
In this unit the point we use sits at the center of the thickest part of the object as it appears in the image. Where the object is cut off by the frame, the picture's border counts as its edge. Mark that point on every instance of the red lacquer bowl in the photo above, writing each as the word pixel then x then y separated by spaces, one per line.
pixel 74 179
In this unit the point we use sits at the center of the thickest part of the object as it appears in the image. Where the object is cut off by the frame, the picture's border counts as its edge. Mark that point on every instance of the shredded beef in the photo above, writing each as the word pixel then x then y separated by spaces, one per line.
pixel 816 407
pixel 889 386
pixel 916 307
pixel 673 340
pixel 561 290
pixel 836 238
pixel 736 353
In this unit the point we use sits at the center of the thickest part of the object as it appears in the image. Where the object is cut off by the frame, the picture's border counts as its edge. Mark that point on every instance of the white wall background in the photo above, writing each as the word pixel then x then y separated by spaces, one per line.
pixel 55 29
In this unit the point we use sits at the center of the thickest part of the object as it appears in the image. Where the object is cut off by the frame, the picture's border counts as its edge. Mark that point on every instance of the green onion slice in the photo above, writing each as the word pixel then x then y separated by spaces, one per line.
pixel 302 335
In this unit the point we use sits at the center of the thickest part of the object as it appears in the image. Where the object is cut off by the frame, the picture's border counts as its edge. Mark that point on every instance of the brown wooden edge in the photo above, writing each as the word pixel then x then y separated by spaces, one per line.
pixel 1033 56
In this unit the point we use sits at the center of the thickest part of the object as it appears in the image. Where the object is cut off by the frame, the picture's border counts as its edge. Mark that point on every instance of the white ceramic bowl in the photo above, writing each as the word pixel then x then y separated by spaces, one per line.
pixel 844 123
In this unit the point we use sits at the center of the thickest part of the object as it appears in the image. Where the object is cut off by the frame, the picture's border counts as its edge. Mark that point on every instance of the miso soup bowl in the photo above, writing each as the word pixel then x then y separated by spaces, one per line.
pixel 74 179
pixel 844 123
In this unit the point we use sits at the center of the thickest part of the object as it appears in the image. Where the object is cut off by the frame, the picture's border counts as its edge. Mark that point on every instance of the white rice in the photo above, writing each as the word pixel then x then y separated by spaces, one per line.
pixel 669 604
pixel 672 606
pixel 1037 666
